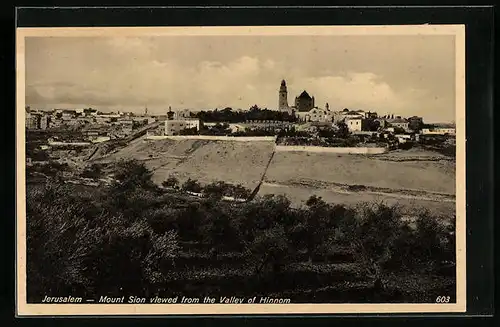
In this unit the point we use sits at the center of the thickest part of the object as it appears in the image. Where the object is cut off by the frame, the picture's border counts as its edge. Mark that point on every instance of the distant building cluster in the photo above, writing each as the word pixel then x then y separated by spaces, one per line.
pixel 179 121
pixel 303 103
pixel 94 126
pixel 304 114
pixel 357 121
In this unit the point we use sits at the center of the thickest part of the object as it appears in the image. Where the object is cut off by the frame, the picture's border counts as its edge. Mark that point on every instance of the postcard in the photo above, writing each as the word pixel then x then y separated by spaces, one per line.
pixel 240 170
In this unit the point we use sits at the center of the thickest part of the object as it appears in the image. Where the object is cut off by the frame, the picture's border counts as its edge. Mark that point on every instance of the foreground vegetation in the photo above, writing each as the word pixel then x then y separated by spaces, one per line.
pixel 133 238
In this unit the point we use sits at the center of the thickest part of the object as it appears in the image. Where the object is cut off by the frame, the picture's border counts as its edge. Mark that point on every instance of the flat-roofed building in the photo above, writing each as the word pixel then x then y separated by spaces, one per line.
pixel 356 124
pixel 175 126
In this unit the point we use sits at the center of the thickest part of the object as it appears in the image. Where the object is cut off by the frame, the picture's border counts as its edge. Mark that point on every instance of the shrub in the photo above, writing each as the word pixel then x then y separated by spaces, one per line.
pixel 449 150
pixel 220 233
pixel 356 188
pixel 161 256
pixel 191 185
pixel 94 171
pixel 436 242
pixel 239 192
pixel 374 236
pixel 190 221
pixel 58 239
pixel 270 249
pixel 131 174
pixel 116 240
pixel 73 246
pixel 171 182
pixel 405 145
pixel 320 224
pixel 215 190
pixel 163 219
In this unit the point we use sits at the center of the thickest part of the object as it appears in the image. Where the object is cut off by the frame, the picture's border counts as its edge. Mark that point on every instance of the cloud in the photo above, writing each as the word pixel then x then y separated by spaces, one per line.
pixel 128 73
pixel 242 82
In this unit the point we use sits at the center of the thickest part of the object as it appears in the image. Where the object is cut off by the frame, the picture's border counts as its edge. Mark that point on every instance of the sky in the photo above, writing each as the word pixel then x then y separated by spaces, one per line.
pixel 391 74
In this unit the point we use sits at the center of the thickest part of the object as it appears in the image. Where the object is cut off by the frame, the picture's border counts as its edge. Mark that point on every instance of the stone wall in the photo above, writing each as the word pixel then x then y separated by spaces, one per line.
pixel 344 150
pixel 212 137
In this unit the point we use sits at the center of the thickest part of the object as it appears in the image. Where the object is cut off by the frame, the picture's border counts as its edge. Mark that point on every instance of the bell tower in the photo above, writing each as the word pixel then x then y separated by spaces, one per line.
pixel 283 97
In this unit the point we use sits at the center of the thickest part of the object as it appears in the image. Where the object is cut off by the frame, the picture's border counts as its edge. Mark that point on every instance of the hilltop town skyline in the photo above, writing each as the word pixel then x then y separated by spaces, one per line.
pixel 403 75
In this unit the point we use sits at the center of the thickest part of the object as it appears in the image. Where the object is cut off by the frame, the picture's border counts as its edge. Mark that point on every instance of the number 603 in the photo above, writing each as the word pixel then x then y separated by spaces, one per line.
pixel 443 299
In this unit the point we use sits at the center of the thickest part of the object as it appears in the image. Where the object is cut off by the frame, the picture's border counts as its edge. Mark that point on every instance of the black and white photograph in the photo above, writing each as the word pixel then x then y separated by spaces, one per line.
pixel 231 170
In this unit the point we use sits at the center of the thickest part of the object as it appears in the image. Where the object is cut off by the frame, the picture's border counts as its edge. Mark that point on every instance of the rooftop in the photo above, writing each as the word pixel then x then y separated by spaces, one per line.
pixel 397 120
pixel 305 95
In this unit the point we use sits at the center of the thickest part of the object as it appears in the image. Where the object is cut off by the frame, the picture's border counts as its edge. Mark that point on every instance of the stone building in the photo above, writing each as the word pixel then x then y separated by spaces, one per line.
pixel 304 102
pixel 357 124
pixel 398 122
pixel 415 123
pixel 283 97
pixel 178 121
pixel 317 115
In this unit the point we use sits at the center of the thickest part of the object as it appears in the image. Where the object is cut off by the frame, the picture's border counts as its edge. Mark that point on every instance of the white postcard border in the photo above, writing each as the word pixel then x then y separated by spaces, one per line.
pixel 26 309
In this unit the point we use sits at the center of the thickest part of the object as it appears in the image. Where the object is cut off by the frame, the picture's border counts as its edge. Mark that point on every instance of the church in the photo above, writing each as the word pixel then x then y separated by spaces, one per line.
pixel 304 102
pixel 304 107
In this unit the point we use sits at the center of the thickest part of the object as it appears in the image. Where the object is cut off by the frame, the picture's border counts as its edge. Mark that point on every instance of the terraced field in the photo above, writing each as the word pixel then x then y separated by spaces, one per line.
pixel 413 179
pixel 234 162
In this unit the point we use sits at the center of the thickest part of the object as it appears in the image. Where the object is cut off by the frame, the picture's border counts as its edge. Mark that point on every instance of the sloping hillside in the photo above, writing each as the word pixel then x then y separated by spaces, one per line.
pixel 337 178
pixel 204 160
pixel 430 176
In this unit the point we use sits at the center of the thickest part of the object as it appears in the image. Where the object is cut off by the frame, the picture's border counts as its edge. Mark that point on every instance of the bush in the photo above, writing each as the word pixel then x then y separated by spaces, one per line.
pixel 171 182
pixel 50 169
pixel 132 174
pixel 374 236
pixel 449 151
pixel 74 247
pixel 115 241
pixel 405 146
pixel 38 155
pixel 94 171
pixel 215 190
pixel 191 185
pixel 239 192
pixel 270 249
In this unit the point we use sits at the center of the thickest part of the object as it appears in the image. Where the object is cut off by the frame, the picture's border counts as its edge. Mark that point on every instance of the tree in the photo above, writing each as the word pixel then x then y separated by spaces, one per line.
pixel 94 171
pixel 415 125
pixel 314 200
pixel 343 131
pixel 270 249
pixel 373 239
pixel 432 238
pixel 321 221
pixel 191 185
pixel 220 233
pixel 215 190
pixel 373 125
pixel 240 192
pixel 399 130
pixel 131 174
pixel 171 182
pixel 58 237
